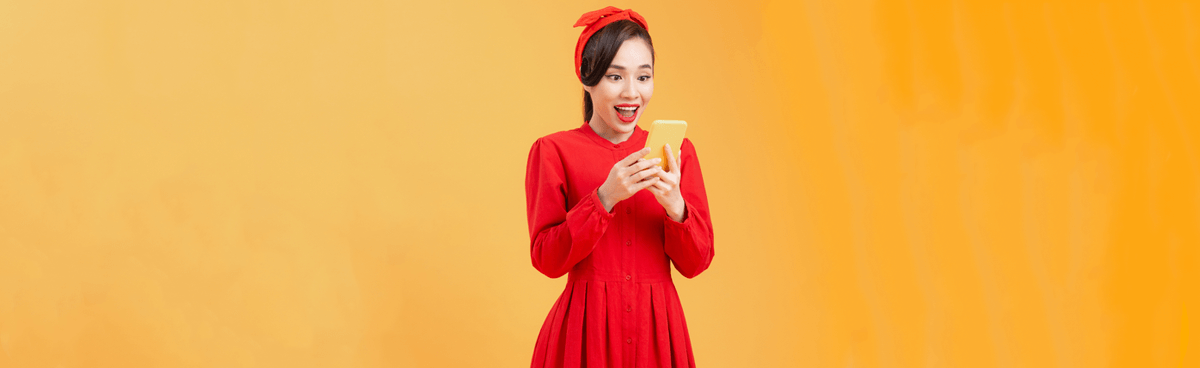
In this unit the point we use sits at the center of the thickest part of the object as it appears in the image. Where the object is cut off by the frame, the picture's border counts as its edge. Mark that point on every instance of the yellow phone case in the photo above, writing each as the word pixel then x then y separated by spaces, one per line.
pixel 665 132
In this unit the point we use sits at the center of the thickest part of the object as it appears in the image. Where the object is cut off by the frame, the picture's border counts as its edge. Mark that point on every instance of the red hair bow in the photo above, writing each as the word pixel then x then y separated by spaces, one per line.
pixel 593 21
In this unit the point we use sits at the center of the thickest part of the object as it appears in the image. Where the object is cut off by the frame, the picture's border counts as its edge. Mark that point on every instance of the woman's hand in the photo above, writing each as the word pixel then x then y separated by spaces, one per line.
pixel 666 189
pixel 627 177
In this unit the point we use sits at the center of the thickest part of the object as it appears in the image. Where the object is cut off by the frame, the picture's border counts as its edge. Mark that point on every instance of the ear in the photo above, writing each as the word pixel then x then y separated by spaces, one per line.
pixel 588 88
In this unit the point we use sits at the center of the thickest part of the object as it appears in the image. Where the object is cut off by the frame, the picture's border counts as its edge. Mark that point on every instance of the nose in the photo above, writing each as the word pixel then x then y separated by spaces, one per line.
pixel 629 90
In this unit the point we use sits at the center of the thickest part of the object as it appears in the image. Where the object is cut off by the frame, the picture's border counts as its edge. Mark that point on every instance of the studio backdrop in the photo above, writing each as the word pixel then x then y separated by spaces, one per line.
pixel 341 183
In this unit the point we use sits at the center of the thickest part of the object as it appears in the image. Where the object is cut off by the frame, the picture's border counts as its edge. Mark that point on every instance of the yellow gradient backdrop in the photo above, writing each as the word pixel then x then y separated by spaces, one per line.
pixel 340 183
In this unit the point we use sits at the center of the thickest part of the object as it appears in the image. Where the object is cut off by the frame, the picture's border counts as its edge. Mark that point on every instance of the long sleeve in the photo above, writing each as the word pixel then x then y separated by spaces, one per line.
pixel 559 238
pixel 689 244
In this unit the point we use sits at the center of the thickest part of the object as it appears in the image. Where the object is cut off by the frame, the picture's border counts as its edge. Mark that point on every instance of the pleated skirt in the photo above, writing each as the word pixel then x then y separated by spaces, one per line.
pixel 615 324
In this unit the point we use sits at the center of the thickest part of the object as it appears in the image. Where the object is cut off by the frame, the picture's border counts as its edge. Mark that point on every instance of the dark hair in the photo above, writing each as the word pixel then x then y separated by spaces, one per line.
pixel 599 51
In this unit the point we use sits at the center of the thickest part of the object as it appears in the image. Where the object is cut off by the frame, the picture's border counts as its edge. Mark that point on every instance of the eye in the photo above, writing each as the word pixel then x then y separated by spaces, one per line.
pixel 644 78
pixel 613 77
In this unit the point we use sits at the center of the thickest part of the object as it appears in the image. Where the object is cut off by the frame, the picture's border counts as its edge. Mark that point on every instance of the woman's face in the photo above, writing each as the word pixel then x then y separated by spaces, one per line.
pixel 621 96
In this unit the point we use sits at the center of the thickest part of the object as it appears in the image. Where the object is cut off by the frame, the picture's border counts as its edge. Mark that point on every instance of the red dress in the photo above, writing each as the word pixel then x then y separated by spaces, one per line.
pixel 619 308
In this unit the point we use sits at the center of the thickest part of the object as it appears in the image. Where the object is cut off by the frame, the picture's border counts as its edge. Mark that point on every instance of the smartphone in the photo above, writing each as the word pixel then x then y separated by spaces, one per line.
pixel 665 132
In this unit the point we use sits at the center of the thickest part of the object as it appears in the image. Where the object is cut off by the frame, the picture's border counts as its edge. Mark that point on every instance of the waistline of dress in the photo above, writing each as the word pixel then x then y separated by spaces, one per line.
pixel 632 278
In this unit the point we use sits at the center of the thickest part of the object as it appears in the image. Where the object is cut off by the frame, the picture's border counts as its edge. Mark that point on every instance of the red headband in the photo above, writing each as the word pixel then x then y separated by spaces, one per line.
pixel 594 21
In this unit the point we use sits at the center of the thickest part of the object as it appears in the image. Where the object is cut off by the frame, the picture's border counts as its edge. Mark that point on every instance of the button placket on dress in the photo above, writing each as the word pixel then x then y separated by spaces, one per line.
pixel 630 286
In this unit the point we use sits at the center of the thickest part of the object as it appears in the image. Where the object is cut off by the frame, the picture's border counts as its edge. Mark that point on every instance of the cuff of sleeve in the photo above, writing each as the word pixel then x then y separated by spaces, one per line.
pixel 588 223
pixel 595 199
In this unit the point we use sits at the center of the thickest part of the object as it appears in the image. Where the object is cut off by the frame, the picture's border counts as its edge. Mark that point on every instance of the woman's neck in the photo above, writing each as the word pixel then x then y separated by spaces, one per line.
pixel 607 133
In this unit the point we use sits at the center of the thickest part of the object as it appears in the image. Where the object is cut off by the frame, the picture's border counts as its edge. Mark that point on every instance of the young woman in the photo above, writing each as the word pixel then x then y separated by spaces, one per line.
pixel 612 221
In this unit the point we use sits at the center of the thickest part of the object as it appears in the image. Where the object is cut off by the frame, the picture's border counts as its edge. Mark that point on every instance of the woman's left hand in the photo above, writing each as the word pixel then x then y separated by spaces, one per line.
pixel 666 190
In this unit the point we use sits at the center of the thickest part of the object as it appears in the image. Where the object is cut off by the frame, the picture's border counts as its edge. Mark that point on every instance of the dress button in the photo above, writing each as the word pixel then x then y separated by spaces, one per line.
pixel 628 242
pixel 628 341
pixel 628 210
pixel 628 308
pixel 627 277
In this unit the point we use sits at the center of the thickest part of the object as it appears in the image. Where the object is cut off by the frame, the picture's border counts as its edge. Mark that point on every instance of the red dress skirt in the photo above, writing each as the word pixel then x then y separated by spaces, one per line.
pixel 619 308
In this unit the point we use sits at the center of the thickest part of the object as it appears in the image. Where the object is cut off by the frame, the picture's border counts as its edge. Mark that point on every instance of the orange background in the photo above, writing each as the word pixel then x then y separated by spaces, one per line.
pixel 340 183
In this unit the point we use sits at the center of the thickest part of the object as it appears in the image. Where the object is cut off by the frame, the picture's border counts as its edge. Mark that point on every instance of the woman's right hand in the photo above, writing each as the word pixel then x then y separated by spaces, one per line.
pixel 627 177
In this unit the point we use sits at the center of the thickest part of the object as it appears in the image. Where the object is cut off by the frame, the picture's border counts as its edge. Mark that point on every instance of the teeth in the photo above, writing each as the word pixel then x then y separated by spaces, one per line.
pixel 627 108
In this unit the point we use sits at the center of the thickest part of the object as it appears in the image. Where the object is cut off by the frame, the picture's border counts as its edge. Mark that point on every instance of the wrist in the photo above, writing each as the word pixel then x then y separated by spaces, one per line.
pixel 678 211
pixel 605 199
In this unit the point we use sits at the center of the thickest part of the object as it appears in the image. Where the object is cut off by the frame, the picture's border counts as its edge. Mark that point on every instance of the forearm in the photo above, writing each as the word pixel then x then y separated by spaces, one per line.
pixel 556 248
pixel 689 243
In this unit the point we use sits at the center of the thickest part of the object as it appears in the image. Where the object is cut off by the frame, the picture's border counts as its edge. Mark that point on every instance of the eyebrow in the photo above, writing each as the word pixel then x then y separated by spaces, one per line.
pixel 644 66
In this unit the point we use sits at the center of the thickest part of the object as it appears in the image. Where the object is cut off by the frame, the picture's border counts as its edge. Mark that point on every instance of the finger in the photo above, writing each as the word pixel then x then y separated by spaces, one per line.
pixel 672 165
pixel 623 170
pixel 662 186
pixel 644 164
pixel 644 183
pixel 669 178
pixel 641 175
pixel 633 157
pixel 655 191
pixel 666 176
pixel 637 167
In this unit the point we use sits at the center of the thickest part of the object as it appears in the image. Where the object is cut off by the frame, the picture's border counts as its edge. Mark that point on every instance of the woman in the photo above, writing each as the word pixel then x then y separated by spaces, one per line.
pixel 611 220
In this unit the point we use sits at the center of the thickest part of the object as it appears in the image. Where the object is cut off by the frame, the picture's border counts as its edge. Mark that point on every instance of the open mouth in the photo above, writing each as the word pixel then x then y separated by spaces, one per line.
pixel 627 112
